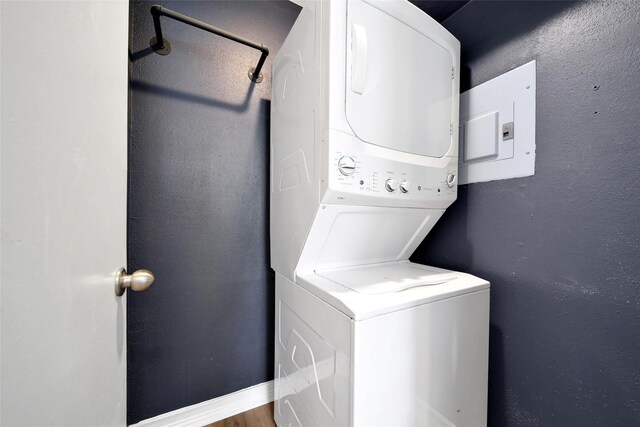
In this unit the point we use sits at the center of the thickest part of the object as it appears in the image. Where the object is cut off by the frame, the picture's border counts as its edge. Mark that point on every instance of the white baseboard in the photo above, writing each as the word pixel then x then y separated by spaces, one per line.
pixel 215 409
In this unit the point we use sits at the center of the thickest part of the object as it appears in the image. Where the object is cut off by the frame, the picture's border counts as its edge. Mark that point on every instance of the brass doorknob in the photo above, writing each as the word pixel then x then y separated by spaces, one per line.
pixel 140 280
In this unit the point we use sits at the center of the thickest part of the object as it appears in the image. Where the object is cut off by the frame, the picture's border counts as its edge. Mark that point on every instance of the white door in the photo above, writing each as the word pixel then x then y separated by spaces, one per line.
pixel 63 213
pixel 400 80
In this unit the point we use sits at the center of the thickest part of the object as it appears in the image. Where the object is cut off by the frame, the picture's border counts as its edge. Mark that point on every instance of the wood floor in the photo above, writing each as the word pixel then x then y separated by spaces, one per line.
pixel 262 416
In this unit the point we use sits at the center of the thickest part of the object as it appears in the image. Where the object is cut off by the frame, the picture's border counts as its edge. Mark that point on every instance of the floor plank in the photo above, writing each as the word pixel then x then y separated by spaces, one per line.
pixel 262 416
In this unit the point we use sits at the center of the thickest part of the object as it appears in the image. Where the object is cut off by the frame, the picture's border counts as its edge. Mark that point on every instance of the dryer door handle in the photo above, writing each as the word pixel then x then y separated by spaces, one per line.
pixel 359 58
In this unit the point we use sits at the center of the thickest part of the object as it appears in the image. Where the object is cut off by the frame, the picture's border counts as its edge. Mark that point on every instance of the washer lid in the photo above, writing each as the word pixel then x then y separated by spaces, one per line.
pixel 371 290
pixel 387 278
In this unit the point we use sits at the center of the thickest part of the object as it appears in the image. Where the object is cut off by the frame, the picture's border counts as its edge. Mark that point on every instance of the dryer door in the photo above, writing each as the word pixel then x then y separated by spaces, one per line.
pixel 400 90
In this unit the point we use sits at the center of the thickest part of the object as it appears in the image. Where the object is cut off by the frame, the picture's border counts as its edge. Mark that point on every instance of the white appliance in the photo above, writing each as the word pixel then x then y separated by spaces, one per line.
pixel 364 154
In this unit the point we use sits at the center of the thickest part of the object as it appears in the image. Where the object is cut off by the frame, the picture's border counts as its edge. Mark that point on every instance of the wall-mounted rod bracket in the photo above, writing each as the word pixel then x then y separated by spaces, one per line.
pixel 161 45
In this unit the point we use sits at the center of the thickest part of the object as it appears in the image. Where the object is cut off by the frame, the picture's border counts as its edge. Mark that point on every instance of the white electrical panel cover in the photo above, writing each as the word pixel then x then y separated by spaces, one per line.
pixel 498 127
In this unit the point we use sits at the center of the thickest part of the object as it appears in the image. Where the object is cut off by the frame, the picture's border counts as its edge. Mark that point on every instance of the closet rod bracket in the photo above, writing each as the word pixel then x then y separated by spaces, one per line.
pixel 252 75
pixel 161 46
pixel 161 49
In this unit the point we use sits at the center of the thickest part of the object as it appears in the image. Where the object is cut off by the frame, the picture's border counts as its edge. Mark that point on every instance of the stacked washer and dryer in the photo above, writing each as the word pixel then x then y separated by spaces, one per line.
pixel 364 157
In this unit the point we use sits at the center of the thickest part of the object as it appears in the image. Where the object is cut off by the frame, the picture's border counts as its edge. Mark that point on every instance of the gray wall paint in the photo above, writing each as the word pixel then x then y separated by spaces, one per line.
pixel 560 248
pixel 439 10
pixel 198 207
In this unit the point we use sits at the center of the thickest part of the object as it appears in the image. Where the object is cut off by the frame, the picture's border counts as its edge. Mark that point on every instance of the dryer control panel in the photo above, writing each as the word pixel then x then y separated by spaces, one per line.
pixel 360 173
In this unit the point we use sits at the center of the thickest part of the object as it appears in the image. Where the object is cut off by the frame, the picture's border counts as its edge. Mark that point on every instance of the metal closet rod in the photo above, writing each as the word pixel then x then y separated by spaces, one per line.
pixel 162 47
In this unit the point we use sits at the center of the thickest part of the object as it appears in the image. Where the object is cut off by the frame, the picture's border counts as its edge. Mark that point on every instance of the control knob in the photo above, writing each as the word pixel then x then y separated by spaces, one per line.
pixel 390 185
pixel 346 165
pixel 451 180
pixel 404 187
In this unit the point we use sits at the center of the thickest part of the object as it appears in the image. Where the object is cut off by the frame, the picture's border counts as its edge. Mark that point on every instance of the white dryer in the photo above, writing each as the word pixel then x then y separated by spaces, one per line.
pixel 364 138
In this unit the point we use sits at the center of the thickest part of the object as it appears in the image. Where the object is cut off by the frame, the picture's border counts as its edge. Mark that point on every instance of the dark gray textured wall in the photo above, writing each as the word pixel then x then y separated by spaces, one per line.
pixel 198 206
pixel 561 248
pixel 439 9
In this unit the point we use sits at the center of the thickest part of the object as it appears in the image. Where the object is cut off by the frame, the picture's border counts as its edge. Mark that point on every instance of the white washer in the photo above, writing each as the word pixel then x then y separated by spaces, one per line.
pixel 364 155
pixel 392 344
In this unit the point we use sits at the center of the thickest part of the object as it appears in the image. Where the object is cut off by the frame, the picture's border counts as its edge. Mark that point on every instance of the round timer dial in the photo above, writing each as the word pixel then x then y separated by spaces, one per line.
pixel 346 165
